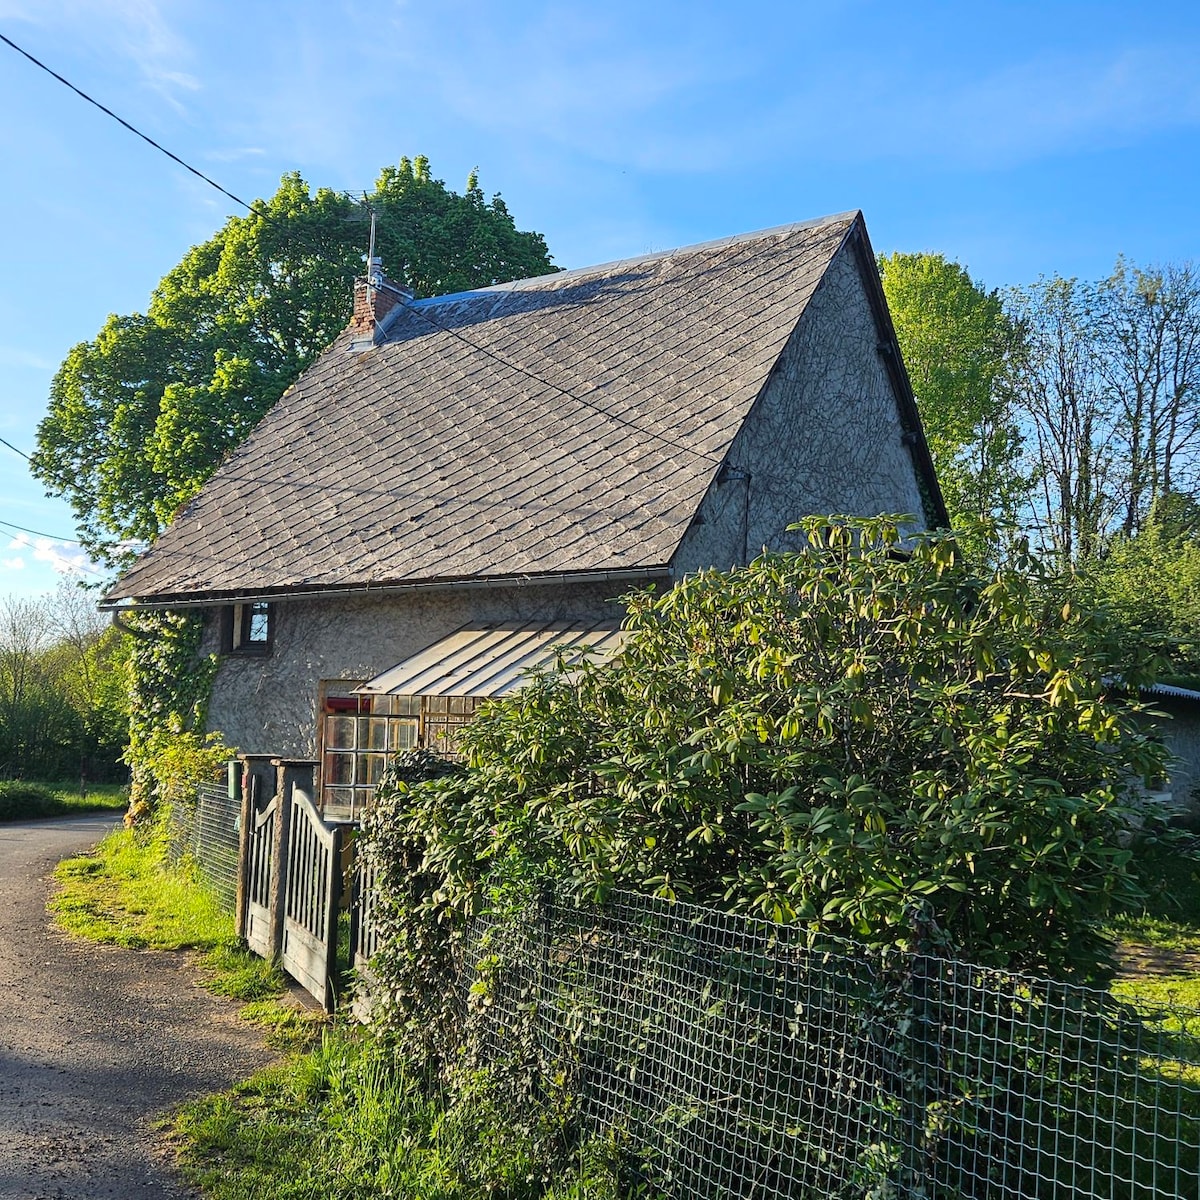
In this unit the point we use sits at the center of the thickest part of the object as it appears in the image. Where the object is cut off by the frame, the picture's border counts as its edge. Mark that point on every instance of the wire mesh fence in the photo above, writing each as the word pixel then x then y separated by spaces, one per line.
pixel 207 831
pixel 740 1062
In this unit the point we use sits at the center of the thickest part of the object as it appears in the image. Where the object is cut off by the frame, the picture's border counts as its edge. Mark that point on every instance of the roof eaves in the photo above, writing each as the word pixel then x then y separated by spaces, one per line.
pixel 334 591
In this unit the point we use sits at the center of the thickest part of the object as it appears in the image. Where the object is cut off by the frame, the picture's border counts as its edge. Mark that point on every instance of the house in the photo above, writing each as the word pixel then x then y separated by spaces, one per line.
pixel 496 467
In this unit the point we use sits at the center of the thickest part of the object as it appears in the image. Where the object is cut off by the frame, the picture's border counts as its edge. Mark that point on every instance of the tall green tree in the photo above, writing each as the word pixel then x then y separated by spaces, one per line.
pixel 140 416
pixel 1108 395
pixel 1150 582
pixel 959 345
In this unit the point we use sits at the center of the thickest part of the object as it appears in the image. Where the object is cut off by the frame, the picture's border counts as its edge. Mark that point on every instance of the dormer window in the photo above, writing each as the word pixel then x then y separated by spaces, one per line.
pixel 247 628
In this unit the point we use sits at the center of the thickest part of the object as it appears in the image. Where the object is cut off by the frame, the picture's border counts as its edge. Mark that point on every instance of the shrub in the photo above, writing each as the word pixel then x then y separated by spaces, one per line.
pixel 844 736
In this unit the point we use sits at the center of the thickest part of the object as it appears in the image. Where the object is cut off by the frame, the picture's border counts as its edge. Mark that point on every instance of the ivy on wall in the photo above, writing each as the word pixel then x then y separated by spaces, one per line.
pixel 170 684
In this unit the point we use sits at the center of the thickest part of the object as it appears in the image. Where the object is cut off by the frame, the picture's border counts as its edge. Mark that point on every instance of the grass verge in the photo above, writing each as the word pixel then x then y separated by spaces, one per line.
pixel 21 801
pixel 127 893
pixel 347 1121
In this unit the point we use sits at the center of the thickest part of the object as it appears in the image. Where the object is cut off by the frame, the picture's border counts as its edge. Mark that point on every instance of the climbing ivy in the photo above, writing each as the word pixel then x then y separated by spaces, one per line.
pixel 170 683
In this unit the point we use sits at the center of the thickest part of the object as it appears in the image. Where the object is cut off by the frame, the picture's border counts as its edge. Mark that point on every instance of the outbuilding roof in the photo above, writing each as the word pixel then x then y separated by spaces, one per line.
pixel 495 659
pixel 560 425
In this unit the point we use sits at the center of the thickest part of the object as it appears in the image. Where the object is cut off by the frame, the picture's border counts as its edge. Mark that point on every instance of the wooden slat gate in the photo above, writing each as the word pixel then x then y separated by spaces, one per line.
pixel 290 874
pixel 259 850
pixel 313 892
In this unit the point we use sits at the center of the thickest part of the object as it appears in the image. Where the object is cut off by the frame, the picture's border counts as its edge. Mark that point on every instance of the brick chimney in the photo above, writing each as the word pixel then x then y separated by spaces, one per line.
pixel 374 297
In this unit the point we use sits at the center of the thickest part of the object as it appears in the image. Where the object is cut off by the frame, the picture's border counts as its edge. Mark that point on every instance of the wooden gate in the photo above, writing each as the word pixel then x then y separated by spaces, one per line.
pixel 290 874
pixel 257 871
pixel 313 870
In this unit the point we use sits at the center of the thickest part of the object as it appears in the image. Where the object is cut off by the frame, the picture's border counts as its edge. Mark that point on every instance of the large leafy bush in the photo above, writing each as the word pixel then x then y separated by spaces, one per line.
pixel 864 736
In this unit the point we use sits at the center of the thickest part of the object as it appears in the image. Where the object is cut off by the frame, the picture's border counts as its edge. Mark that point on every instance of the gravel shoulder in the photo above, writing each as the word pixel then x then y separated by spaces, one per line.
pixel 96 1041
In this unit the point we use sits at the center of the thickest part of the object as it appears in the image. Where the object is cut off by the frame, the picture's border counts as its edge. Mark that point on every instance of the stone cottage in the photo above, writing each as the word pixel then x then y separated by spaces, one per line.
pixel 461 484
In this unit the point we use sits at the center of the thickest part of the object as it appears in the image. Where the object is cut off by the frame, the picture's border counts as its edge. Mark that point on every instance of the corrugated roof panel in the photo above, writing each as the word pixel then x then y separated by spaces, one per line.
pixel 493 660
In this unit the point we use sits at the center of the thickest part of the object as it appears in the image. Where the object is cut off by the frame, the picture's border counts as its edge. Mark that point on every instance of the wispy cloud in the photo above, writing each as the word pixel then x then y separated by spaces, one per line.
pixel 62 557
pixel 13 564
pixel 137 30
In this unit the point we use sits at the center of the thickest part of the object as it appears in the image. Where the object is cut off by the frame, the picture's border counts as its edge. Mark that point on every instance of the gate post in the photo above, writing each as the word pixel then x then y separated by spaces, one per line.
pixel 258 774
pixel 332 913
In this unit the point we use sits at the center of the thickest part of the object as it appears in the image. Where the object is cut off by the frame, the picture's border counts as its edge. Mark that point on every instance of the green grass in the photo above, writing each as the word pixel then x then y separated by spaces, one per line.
pixel 21 801
pixel 347 1121
pixel 125 893
pixel 1170 919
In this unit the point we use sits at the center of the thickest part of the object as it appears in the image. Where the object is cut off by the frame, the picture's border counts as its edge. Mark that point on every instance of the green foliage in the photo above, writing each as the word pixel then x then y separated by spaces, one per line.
pixel 1150 581
pixel 349 1121
pixel 140 416
pixel 418 932
pixel 959 346
pixel 58 717
pixel 846 736
pixel 20 801
pixel 169 684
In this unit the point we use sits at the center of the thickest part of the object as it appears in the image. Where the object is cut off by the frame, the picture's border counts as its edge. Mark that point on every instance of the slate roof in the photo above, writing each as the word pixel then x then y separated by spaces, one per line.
pixel 570 423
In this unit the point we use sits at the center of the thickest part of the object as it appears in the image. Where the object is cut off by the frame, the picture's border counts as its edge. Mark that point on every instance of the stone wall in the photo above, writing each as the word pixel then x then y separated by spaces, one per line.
pixel 269 705
pixel 824 437
pixel 1180 731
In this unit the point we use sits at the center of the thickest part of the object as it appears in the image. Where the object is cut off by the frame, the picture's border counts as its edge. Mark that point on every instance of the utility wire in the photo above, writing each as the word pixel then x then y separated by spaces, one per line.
pixel 512 366
pixel 121 121
pixel 5 442
pixel 42 533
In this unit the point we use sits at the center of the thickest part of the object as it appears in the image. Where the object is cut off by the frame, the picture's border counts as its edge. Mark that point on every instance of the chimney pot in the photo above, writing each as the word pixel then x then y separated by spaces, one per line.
pixel 374 298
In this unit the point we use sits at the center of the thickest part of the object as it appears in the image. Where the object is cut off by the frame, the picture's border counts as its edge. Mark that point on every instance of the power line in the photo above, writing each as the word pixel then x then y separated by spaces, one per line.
pixel 7 443
pixel 512 366
pixel 42 533
pixel 121 121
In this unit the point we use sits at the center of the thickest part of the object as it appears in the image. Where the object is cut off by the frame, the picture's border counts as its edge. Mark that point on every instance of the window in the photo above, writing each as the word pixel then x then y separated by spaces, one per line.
pixel 247 628
pixel 443 717
pixel 358 735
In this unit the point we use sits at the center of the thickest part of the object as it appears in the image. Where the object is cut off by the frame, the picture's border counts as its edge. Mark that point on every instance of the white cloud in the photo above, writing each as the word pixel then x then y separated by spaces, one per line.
pixel 136 29
pixel 13 564
pixel 64 558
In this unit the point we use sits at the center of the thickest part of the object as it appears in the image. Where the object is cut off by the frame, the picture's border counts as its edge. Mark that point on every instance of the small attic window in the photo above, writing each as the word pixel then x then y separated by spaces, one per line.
pixel 247 628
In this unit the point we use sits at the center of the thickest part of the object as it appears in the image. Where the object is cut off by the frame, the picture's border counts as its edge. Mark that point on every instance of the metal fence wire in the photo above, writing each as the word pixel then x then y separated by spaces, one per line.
pixel 740 1062
pixel 207 831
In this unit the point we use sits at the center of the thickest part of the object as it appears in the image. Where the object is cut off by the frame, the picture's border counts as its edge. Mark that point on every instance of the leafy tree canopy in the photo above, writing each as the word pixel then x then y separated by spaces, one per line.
pixel 959 345
pixel 844 736
pixel 140 416
pixel 1150 580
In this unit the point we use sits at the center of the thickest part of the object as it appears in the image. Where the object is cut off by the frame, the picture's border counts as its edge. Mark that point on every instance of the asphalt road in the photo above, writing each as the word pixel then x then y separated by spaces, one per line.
pixel 95 1041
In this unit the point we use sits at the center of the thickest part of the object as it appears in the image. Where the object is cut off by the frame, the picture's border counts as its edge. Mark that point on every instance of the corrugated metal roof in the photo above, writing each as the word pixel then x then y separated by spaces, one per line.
pixel 494 659
pixel 1168 689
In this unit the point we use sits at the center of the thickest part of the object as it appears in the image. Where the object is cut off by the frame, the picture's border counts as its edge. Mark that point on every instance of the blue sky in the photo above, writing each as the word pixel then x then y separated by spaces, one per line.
pixel 1019 139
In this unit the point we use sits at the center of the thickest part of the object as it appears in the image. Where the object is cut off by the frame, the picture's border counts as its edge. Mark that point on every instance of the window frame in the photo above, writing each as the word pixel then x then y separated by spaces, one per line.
pixel 237 628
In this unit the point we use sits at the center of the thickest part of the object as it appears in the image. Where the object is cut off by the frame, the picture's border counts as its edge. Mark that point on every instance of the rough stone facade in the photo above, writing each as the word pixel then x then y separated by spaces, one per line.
pixel 268 705
pixel 1180 732
pixel 824 437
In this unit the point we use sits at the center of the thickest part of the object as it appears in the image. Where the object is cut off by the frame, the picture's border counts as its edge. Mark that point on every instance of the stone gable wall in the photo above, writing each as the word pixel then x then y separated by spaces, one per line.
pixel 825 436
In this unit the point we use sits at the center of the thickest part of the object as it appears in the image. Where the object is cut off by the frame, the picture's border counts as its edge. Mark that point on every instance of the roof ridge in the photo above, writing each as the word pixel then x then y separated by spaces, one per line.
pixel 605 268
